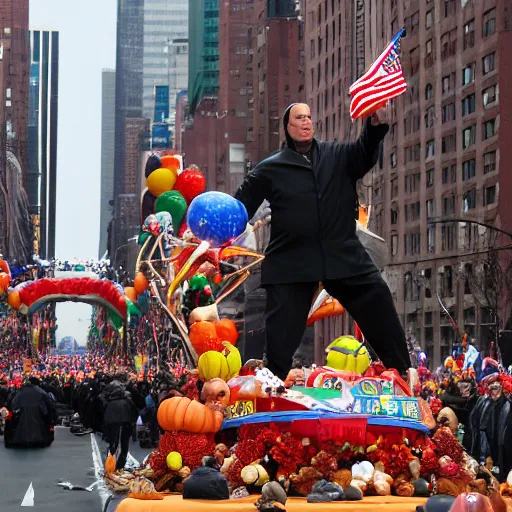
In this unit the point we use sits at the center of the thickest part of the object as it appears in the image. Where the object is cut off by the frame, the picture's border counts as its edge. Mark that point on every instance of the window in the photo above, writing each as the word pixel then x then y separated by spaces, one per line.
pixel 449 43
pixel 448 237
pixel 431 209
pixel 393 160
pixel 468 74
pixel 412 153
pixel 394 245
pixel 430 178
pixel 490 195
pixel 469 200
pixel 489 162
pixel 412 183
pixel 468 136
pixel 449 174
pixel 394 187
pixel 415 21
pixel 429 19
pixel 449 8
pixel 394 216
pixel 414 58
pixel 468 105
pixel 448 83
pixel 430 116
pixel 489 23
pixel 449 205
pixel 312 48
pixel 449 143
pixel 431 240
pixel 489 129
pixel 488 63
pixel 489 95
pixel 412 211
pixel 468 169
pixel 430 149
pixel 429 46
pixel 448 113
pixel 429 92
pixel 469 34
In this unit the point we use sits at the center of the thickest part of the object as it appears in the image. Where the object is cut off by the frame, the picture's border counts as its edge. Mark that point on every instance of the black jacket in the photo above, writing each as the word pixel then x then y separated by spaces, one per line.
pixel 313 229
pixel 119 407
pixel 206 484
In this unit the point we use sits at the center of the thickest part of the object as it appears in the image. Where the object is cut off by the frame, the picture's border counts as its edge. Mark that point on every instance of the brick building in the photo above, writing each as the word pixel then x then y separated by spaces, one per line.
pixel 16 231
pixel 445 159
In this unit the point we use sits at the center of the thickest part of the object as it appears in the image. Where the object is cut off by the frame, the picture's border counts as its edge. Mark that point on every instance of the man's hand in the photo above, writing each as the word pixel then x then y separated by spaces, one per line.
pixel 382 116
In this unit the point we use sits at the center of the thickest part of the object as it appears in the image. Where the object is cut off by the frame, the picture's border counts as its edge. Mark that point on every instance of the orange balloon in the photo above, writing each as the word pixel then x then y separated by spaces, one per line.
pixel 4 282
pixel 140 283
pixel 130 293
pixel 203 337
pixel 170 162
pixel 14 300
pixel 331 307
pixel 226 330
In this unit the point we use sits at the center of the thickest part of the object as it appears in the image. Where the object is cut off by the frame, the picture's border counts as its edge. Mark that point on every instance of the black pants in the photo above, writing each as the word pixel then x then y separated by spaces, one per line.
pixel 119 434
pixel 368 300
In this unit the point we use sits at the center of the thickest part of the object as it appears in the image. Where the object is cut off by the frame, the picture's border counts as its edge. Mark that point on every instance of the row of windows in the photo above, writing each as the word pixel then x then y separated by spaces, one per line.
pixel 412 182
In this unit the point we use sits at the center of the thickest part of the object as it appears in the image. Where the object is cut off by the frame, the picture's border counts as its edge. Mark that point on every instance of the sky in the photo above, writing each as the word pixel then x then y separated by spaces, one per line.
pixel 87 45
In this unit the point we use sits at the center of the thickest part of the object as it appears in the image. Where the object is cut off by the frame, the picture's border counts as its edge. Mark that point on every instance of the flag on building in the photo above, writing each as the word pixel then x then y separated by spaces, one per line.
pixel 381 83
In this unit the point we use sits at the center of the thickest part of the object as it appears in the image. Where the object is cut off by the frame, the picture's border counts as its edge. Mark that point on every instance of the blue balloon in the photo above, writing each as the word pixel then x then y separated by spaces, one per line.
pixel 216 217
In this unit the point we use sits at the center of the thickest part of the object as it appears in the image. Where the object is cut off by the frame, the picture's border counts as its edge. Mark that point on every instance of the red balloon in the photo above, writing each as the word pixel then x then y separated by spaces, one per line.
pixel 183 228
pixel 190 183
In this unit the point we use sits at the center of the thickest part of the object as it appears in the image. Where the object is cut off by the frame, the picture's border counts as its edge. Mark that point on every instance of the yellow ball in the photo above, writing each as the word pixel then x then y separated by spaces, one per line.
pixel 161 180
pixel 174 461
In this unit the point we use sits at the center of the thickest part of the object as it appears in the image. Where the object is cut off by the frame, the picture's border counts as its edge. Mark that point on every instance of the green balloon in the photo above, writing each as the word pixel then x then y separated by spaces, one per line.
pixel 143 237
pixel 174 203
pixel 79 268
pixel 198 282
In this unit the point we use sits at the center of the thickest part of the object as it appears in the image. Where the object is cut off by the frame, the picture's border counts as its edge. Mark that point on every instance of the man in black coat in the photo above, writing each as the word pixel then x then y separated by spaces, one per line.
pixel 33 417
pixel 311 188
pixel 119 417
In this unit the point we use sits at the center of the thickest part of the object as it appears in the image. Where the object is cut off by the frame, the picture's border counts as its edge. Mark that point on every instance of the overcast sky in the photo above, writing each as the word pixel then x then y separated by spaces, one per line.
pixel 87 45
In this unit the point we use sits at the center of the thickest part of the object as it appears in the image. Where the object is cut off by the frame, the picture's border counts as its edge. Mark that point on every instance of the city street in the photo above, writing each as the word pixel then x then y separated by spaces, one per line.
pixel 78 460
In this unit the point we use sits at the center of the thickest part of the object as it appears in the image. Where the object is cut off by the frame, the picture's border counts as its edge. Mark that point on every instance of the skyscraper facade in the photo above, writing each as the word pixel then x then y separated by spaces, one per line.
pixel 165 22
pixel 108 116
pixel 16 240
pixel 443 182
pixel 42 138
pixel 128 105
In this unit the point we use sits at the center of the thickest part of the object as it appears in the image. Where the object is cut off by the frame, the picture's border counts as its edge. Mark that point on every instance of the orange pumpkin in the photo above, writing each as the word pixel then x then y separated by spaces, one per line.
pixel 203 336
pixel 130 293
pixel 14 300
pixel 140 283
pixel 181 413
pixel 226 330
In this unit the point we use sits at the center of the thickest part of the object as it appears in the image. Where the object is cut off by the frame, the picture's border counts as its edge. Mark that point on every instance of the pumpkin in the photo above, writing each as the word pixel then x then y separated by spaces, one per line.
pixel 226 330
pixel 346 353
pixel 203 337
pixel 213 364
pixel 110 464
pixel 181 413
pixel 140 283
pixel 130 293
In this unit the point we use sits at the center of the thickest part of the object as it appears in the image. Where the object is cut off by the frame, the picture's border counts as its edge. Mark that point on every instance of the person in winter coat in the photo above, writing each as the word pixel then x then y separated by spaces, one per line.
pixel 119 417
pixel 32 417
pixel 311 188
pixel 206 483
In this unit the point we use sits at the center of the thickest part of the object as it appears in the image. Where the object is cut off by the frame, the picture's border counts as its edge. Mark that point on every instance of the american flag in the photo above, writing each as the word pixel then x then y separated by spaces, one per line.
pixel 381 83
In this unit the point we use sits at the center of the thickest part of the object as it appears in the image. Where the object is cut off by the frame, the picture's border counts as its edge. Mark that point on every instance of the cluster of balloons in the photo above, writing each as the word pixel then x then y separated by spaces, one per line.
pixel 5 276
pixel 170 191
pixel 215 217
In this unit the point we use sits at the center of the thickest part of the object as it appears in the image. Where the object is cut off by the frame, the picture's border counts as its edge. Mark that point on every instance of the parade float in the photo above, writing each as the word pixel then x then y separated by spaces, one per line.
pixel 350 434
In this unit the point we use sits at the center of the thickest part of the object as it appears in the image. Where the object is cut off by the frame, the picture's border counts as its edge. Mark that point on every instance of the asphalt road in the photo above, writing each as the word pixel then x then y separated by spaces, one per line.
pixel 78 460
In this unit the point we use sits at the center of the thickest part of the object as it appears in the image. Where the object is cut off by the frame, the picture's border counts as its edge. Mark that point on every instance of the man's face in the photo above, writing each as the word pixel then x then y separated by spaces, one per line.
pixel 495 390
pixel 300 126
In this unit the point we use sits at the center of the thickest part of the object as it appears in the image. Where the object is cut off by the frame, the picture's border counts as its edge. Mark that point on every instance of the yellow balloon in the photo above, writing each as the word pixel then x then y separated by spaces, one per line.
pixel 174 461
pixel 162 180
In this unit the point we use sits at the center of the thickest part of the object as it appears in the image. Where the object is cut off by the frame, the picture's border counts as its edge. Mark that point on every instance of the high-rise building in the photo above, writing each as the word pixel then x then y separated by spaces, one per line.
pixel 128 104
pixel 108 118
pixel 16 230
pixel 445 168
pixel 278 72
pixel 165 62
pixel 42 138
